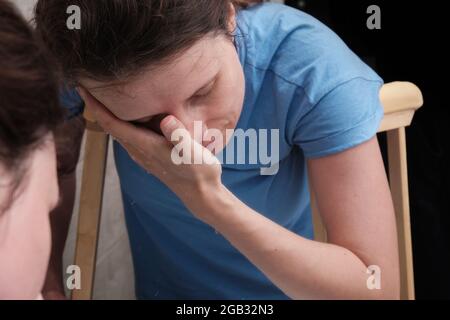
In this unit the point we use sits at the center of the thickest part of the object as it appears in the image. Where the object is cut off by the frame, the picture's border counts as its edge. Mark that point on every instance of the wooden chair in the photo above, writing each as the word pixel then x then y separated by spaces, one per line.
pixel 400 101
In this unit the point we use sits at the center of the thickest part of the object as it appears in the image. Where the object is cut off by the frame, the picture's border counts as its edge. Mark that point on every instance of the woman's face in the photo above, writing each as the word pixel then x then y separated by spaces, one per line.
pixel 204 84
pixel 25 237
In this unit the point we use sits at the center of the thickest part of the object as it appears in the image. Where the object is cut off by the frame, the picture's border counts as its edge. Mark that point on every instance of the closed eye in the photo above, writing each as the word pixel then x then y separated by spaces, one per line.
pixel 206 89
pixel 204 92
pixel 200 95
pixel 152 122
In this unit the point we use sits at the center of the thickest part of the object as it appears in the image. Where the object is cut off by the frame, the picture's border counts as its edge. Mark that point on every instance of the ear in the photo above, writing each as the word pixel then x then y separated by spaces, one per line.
pixel 231 17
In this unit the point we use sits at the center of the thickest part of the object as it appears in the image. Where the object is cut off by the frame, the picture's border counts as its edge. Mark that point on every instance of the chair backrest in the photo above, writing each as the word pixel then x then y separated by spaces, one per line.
pixel 400 101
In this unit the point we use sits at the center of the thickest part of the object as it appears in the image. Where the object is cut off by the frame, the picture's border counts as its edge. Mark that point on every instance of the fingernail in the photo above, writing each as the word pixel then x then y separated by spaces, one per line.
pixel 171 122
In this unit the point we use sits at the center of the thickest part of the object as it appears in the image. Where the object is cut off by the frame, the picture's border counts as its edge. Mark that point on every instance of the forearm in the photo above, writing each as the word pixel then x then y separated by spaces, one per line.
pixel 302 268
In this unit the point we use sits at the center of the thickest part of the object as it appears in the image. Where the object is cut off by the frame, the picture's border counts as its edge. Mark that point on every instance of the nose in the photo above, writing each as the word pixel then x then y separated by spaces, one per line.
pixel 196 124
pixel 189 117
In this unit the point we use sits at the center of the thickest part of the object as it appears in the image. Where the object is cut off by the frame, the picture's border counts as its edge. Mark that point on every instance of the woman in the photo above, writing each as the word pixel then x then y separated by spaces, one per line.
pixel 29 114
pixel 227 231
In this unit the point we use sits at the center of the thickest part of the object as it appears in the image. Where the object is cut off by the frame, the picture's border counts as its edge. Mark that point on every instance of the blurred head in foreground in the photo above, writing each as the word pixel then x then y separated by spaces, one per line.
pixel 29 114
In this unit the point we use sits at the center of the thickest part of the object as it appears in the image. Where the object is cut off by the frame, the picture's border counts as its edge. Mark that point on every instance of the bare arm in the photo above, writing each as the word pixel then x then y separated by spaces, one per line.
pixel 355 203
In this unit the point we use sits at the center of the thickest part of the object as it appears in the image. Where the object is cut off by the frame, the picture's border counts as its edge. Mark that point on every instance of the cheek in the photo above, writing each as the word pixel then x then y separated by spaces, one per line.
pixel 27 248
pixel 232 97
pixel 225 115
pixel 224 111
pixel 38 248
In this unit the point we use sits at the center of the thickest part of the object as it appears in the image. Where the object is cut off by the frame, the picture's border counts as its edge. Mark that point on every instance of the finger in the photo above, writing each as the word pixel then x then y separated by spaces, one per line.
pixel 168 125
pixel 209 139
pixel 172 127
pixel 177 134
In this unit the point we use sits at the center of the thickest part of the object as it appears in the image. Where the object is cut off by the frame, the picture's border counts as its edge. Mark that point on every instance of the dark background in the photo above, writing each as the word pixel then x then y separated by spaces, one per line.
pixel 411 46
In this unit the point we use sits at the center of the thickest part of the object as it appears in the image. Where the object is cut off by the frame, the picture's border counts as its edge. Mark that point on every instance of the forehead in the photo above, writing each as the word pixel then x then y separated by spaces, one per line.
pixel 164 84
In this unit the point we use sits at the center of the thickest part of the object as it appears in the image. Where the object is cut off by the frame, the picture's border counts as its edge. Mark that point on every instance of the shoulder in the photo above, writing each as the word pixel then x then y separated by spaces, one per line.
pixel 299 49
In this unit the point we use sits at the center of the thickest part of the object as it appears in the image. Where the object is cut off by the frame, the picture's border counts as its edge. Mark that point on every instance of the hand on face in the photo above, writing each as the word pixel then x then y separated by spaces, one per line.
pixel 161 155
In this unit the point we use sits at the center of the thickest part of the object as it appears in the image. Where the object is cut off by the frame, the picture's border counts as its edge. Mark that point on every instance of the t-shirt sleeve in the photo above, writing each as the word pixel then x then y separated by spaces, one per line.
pixel 345 117
pixel 71 101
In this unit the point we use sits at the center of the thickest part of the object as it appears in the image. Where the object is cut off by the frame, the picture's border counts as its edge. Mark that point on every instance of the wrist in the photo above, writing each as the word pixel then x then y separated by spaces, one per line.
pixel 211 203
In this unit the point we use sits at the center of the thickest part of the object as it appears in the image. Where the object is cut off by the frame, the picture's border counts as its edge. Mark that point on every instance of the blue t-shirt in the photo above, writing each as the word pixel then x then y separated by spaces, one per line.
pixel 300 79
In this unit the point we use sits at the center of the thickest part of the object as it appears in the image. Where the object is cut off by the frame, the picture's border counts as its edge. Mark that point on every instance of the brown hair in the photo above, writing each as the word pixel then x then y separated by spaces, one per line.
pixel 29 107
pixel 119 37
